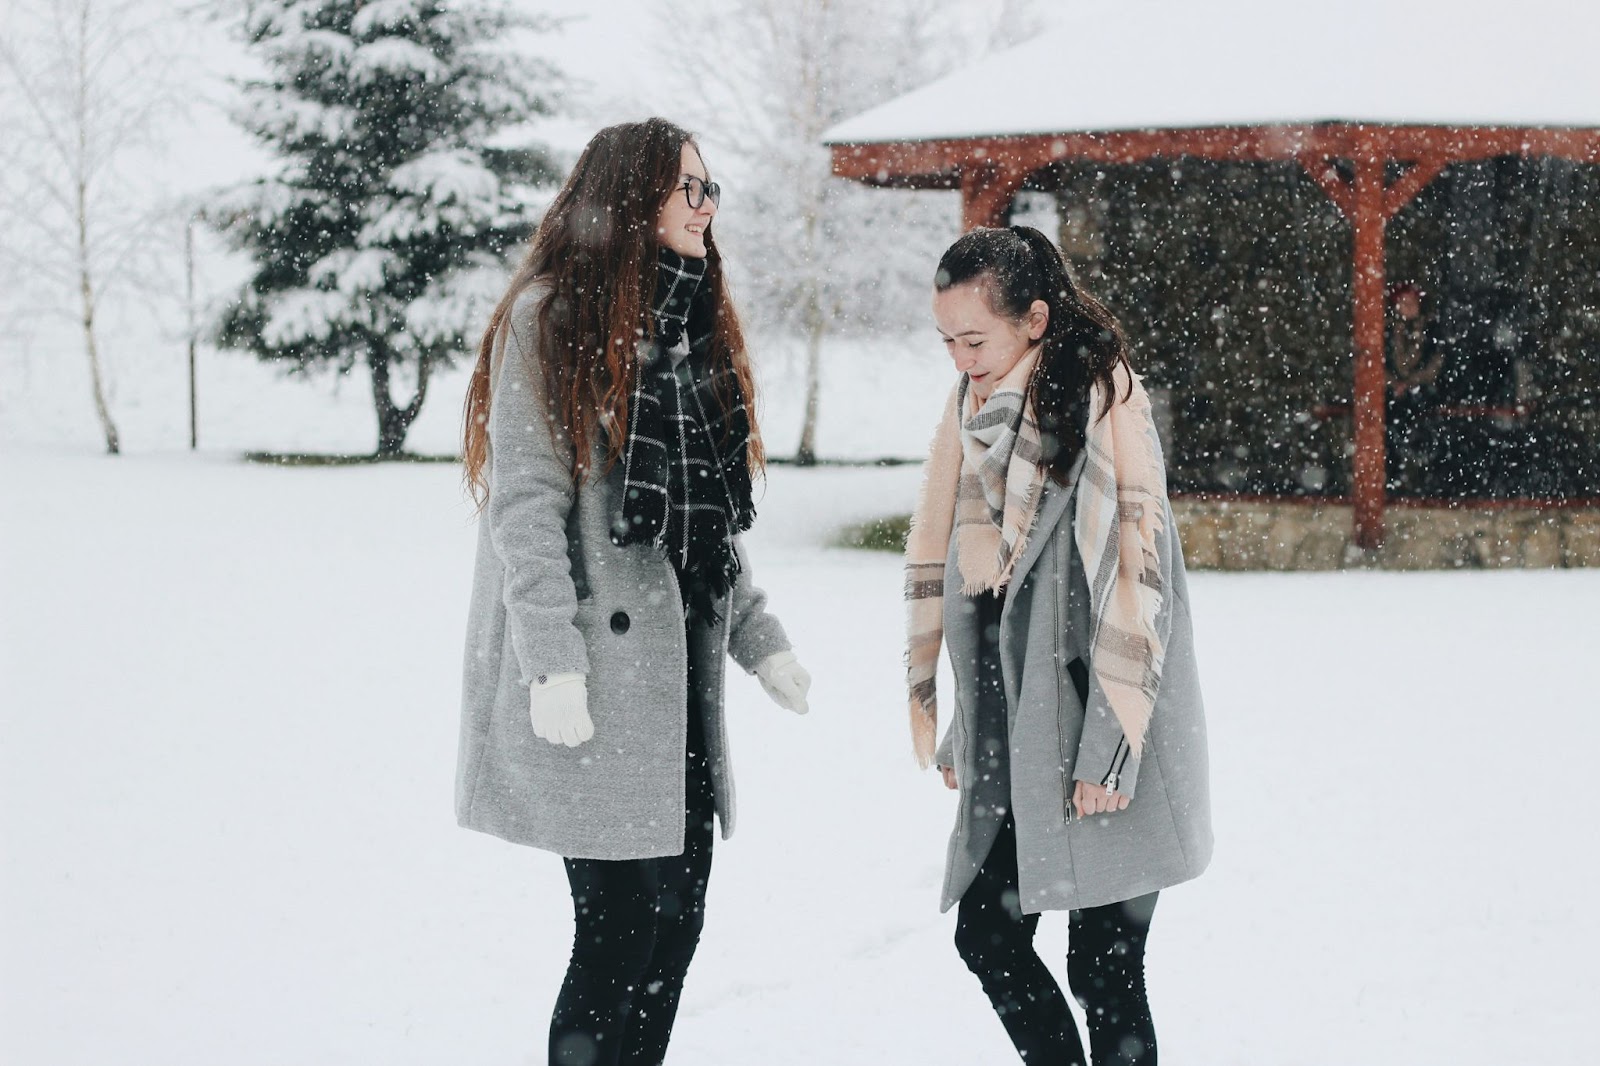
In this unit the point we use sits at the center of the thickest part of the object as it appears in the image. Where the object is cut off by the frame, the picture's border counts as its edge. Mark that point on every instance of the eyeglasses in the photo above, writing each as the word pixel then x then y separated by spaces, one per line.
pixel 696 191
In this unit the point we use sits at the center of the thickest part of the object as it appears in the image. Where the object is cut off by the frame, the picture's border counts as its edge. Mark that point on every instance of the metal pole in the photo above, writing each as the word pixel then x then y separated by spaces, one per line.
pixel 188 263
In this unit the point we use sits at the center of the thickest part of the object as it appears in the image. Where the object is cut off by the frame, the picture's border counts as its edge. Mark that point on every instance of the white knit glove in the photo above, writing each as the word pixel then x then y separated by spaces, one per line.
pixel 785 680
pixel 558 707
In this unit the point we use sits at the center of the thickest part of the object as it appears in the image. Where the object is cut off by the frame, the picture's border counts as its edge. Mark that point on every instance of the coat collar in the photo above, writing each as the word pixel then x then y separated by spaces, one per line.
pixel 959 636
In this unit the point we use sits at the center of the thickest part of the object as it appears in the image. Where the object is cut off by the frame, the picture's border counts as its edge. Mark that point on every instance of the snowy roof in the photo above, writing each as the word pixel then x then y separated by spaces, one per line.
pixel 1128 64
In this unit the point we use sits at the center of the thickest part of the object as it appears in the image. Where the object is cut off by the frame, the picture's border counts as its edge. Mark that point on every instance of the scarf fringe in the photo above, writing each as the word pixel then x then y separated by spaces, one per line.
pixel 1124 447
pixel 943 464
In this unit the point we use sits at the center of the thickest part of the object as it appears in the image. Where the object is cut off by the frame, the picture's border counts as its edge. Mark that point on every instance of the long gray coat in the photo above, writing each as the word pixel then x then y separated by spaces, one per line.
pixel 1064 862
pixel 551 594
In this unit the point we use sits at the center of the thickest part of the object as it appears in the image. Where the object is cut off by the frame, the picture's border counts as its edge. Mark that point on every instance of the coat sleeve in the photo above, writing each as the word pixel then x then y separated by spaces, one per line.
pixel 1103 751
pixel 944 755
pixel 530 494
pixel 753 633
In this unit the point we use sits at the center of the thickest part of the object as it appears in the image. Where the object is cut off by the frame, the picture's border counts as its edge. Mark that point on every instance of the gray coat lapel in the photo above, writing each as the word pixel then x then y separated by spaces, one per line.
pixel 960 630
pixel 1051 510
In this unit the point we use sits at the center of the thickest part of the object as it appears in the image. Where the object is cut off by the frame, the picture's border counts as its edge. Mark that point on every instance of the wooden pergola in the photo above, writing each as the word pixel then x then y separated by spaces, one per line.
pixel 1371 171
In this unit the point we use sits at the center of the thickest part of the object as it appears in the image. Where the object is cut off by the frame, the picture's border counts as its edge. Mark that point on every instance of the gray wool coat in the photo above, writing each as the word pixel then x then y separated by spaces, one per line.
pixel 1056 737
pixel 551 594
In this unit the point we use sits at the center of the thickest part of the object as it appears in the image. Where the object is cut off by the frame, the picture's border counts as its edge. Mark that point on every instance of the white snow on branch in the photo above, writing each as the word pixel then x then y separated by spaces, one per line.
pixel 300 315
pixel 393 221
pixel 394 57
pixel 267 201
pixel 287 117
pixel 383 15
pixel 353 271
pixel 276 20
pixel 453 175
pixel 457 303
pixel 448 187
pixel 292 48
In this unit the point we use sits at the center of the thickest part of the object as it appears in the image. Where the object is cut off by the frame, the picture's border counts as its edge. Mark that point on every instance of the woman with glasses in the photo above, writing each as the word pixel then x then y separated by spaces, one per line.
pixel 610 443
pixel 1044 556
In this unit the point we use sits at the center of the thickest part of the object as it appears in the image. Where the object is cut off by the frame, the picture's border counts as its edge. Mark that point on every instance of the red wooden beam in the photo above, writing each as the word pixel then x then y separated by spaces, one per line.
pixel 987 192
pixel 1367 293
pixel 891 164
pixel 940 160
pixel 1413 181
pixel 1461 143
pixel 1322 170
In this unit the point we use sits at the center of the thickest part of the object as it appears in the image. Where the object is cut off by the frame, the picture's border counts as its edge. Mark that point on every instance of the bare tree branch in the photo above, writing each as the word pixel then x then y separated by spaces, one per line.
pixel 87 83
pixel 823 255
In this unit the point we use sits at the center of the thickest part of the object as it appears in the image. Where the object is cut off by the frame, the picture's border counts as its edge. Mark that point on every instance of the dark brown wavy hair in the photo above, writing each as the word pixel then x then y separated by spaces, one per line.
pixel 596 249
pixel 1081 345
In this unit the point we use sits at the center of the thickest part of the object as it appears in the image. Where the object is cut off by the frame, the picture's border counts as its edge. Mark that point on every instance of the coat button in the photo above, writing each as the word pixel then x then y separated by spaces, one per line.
pixel 620 623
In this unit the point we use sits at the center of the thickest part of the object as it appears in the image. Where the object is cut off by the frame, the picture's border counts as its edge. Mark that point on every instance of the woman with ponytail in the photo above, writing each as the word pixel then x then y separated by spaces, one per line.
pixel 610 443
pixel 1043 555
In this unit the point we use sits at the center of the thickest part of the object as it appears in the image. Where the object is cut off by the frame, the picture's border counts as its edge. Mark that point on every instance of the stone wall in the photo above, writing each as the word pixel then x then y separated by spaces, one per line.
pixel 1239 535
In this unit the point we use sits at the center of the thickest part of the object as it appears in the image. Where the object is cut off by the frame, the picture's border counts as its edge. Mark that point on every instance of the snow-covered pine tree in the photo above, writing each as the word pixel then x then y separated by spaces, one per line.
pixel 379 237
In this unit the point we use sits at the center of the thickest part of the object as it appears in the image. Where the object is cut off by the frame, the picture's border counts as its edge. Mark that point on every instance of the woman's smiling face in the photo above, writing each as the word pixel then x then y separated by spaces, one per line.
pixel 679 226
pixel 983 345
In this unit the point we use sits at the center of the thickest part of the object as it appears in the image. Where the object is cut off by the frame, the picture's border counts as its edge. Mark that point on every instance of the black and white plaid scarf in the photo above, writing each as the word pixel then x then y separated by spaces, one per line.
pixel 685 464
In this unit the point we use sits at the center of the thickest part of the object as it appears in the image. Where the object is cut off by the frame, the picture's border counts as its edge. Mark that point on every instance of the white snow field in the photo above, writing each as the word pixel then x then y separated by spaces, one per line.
pixel 228 714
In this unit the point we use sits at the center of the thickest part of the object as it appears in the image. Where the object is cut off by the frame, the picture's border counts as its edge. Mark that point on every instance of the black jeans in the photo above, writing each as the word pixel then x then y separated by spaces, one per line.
pixel 1105 968
pixel 638 923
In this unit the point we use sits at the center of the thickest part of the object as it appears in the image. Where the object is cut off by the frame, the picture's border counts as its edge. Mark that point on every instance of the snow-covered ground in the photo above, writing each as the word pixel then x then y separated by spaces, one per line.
pixel 228 712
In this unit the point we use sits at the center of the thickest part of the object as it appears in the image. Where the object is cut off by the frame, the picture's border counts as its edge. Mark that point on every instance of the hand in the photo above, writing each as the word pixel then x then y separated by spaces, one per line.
pixel 559 709
pixel 949 777
pixel 1093 799
pixel 785 680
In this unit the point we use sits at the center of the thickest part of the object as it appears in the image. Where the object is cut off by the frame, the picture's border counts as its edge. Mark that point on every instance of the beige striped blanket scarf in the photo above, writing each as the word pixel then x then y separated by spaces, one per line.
pixel 982 483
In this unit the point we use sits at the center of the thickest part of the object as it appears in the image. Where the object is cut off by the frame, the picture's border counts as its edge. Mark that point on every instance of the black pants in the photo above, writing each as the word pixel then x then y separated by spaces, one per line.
pixel 638 923
pixel 1105 968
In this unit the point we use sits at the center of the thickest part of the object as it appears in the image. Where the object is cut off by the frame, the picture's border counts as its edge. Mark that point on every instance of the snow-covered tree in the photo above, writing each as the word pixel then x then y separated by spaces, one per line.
pixel 819 255
pixel 380 235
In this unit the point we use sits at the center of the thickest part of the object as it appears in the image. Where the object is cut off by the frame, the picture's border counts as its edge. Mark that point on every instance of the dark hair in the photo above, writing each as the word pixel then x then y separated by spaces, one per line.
pixel 596 248
pixel 1081 345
